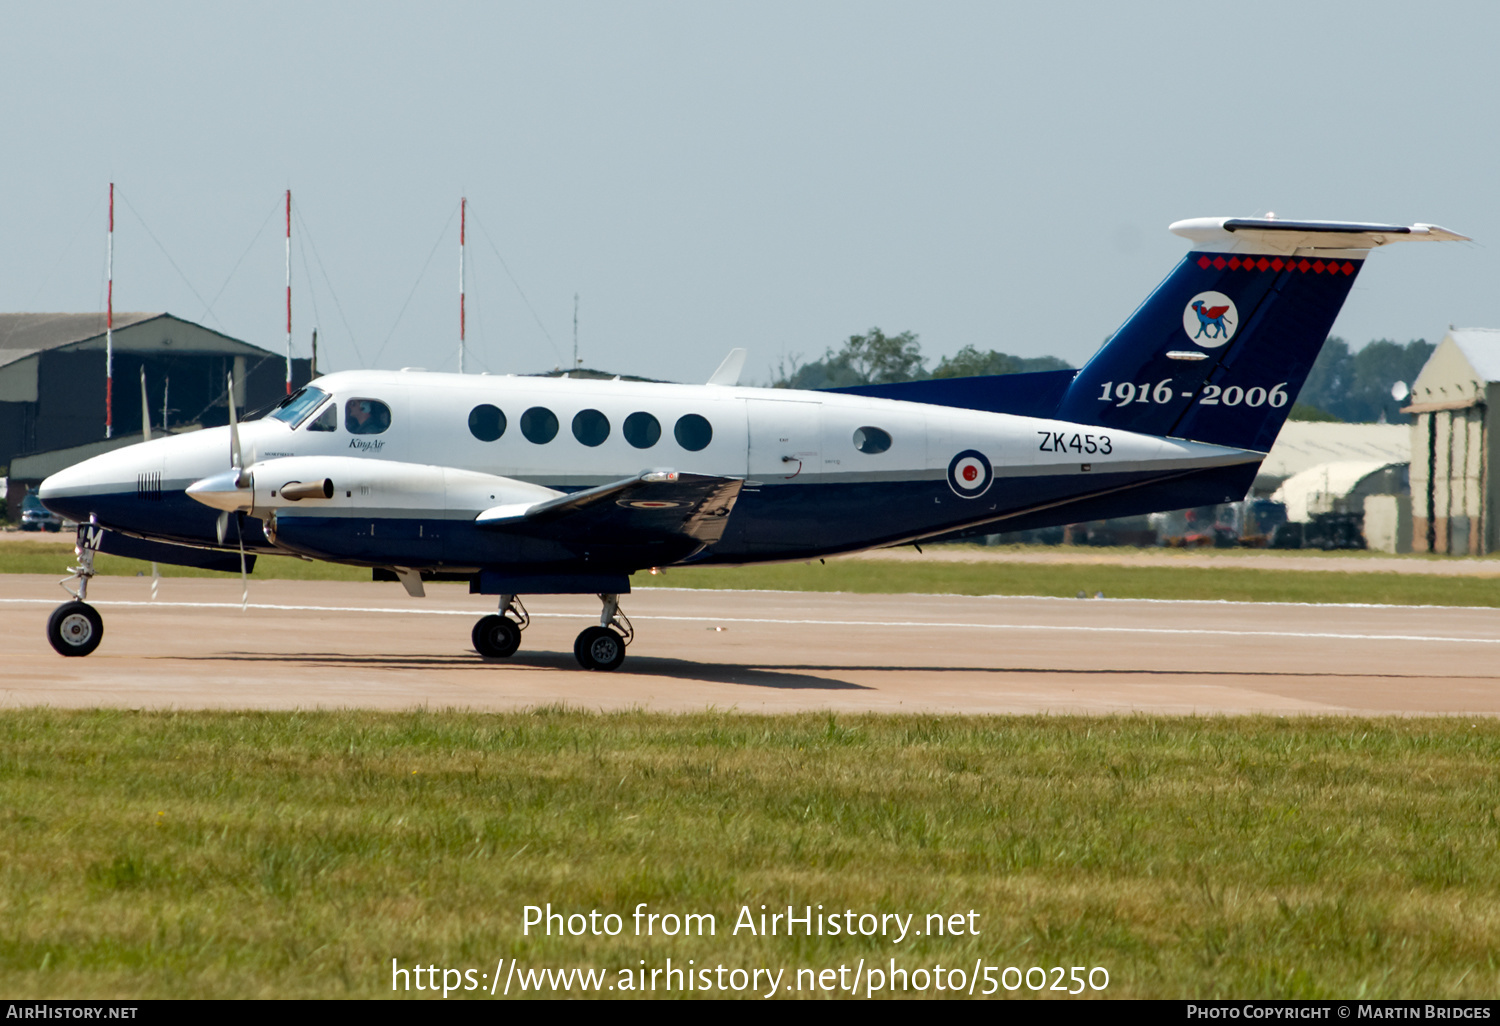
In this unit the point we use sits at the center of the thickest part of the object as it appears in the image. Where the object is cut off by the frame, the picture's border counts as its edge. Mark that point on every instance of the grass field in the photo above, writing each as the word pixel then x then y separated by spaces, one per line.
pixel 296 854
pixel 910 576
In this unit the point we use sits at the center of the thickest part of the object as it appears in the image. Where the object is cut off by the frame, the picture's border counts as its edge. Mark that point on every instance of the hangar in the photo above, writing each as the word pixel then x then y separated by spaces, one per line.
pixel 1453 490
pixel 52 385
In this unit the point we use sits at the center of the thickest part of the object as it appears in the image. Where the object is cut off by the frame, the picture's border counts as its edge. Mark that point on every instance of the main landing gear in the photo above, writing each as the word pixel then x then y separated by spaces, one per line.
pixel 75 628
pixel 597 648
pixel 603 647
pixel 498 637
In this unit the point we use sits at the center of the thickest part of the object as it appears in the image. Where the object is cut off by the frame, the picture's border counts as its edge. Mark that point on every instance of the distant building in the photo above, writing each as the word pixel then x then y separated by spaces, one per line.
pixel 1453 470
pixel 52 385
pixel 1302 445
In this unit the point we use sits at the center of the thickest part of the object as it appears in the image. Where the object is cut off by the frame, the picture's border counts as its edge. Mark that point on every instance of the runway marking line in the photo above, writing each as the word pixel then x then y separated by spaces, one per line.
pixel 1198 631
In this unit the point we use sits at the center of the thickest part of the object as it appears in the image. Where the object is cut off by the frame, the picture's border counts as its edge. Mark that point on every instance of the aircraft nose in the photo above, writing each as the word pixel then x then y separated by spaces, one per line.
pixel 59 491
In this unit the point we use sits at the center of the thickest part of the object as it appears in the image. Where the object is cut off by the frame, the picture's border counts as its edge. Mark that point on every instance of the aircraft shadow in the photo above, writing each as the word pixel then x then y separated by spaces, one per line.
pixel 682 669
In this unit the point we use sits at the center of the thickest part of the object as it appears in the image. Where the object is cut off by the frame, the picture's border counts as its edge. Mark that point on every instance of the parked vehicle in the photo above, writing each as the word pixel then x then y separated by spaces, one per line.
pixel 36 517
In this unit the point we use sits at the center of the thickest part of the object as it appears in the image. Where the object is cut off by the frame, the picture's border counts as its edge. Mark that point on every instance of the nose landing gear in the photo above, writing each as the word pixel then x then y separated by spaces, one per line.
pixel 603 647
pixel 498 636
pixel 75 628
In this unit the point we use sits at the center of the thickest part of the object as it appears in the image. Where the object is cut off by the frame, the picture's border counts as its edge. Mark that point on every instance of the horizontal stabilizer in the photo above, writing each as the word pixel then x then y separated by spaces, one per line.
pixel 1271 235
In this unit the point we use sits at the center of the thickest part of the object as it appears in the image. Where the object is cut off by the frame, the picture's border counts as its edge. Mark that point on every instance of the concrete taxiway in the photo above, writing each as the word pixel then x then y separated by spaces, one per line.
pixel 335 644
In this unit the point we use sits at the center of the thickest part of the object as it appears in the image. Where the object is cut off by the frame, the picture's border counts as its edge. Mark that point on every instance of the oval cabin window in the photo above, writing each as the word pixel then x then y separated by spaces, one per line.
pixel 539 425
pixel 486 422
pixel 693 432
pixel 590 427
pixel 642 430
pixel 871 440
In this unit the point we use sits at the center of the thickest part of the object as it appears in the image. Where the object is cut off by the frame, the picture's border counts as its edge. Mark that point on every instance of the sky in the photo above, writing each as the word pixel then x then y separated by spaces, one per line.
pixel 771 175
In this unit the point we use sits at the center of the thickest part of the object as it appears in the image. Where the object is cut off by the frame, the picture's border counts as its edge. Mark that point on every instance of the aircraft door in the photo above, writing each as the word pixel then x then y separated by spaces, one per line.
pixel 784 461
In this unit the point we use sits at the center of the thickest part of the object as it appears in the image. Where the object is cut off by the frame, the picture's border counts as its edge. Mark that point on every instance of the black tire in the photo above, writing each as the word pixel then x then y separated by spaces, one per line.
pixel 75 629
pixel 599 648
pixel 496 637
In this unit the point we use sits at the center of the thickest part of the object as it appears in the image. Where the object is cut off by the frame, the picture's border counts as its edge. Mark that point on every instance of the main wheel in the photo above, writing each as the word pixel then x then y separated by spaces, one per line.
pixel 599 648
pixel 75 629
pixel 496 637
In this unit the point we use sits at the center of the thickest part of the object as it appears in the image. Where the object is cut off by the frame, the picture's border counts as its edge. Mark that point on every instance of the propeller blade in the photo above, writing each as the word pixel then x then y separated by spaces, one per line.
pixel 145 410
pixel 222 525
pixel 244 576
pixel 236 460
pixel 155 580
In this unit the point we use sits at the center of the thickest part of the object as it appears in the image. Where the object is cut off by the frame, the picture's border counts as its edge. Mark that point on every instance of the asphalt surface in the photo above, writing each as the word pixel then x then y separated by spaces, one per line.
pixel 336 644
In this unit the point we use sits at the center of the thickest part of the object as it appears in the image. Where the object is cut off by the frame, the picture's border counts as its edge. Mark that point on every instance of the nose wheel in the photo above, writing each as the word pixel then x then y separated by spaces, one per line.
pixel 75 628
pixel 603 647
pixel 498 636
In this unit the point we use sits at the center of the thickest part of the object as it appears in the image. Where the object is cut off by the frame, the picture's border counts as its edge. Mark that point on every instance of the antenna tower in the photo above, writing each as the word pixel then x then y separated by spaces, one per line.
pixel 463 224
pixel 289 292
pixel 109 325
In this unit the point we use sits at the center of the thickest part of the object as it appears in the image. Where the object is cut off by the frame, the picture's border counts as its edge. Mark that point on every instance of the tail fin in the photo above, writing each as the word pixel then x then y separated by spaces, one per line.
pixel 1220 350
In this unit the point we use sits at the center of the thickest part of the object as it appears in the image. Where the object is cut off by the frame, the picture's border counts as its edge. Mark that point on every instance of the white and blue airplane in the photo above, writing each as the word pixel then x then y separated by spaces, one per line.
pixel 527 485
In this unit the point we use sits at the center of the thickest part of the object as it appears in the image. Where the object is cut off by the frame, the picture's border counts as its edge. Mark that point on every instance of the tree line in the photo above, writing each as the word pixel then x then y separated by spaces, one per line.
pixel 1344 385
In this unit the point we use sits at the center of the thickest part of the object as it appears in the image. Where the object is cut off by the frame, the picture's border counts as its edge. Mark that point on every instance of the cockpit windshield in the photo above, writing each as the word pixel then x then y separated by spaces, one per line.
pixel 298 405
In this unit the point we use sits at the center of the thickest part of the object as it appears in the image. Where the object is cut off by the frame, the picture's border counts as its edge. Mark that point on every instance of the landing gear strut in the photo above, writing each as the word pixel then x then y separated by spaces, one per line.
pixel 603 647
pixel 75 628
pixel 498 636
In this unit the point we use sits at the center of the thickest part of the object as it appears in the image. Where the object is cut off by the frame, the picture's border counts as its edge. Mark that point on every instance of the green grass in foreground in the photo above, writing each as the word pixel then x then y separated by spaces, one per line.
pixel 1068 579
pixel 295 854
pixel 1336 584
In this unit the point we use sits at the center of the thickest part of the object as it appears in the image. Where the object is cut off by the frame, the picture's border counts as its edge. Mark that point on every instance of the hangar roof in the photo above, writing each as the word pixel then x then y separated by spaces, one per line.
pixel 1455 376
pixel 1303 489
pixel 23 334
pixel 1304 444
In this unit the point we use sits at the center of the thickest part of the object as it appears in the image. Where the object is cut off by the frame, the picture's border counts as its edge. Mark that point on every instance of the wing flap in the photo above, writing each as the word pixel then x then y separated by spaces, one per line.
pixel 650 506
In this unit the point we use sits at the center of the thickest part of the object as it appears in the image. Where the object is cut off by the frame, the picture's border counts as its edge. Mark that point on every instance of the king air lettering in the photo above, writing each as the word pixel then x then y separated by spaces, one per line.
pixel 367 444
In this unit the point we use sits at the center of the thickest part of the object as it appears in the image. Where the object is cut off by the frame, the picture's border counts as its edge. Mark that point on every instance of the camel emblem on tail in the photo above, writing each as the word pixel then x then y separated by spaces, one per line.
pixel 1210 319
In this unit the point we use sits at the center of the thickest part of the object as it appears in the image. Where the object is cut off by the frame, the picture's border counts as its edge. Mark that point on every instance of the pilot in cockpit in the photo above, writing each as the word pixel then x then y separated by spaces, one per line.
pixel 366 417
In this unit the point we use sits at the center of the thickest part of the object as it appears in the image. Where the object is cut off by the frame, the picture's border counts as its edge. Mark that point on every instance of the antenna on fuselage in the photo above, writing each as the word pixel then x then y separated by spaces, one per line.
pixel 575 332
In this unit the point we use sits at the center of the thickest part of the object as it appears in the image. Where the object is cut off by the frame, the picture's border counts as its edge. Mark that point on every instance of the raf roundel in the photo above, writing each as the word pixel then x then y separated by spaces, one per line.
pixel 1210 319
pixel 970 474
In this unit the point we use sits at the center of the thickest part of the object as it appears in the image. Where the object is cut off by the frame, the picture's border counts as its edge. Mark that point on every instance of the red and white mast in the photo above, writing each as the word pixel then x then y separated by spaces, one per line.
pixel 289 292
pixel 109 326
pixel 463 218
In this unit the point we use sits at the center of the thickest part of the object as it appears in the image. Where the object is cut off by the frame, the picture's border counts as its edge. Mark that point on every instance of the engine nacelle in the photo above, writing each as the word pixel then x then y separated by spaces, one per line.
pixel 335 485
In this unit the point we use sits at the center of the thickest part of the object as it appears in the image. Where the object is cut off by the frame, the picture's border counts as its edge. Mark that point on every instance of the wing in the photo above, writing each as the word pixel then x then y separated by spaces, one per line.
pixel 648 508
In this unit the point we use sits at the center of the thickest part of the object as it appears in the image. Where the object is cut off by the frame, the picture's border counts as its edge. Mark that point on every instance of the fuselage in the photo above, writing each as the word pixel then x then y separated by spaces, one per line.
pixel 415 457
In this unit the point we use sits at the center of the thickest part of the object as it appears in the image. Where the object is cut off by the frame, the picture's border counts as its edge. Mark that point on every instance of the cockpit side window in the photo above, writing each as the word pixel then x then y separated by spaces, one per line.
pixel 298 405
pixel 366 416
pixel 328 420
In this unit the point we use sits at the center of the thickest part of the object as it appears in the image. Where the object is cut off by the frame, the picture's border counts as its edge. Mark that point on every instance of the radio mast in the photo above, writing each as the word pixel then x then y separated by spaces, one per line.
pixel 463 218
pixel 109 325
pixel 288 292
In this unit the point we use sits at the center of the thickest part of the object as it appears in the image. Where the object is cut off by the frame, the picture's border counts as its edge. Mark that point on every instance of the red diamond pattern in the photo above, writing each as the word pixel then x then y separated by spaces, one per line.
pixel 1236 263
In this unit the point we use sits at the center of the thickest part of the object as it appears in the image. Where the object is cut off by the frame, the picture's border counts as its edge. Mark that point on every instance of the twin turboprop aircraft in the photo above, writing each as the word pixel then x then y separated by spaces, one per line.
pixel 527 486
